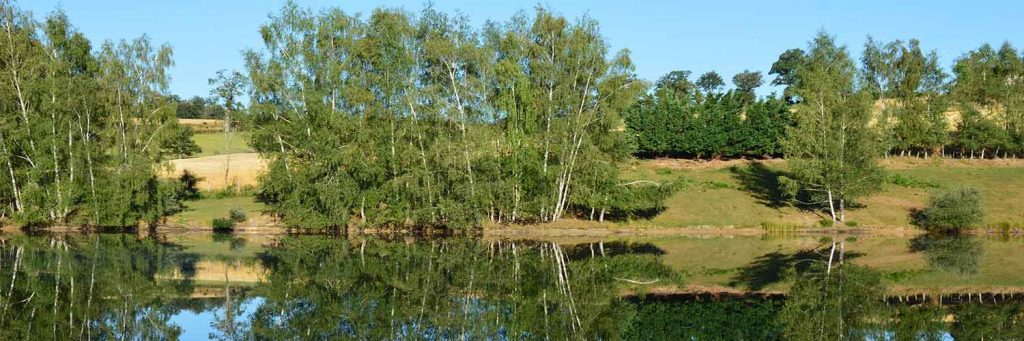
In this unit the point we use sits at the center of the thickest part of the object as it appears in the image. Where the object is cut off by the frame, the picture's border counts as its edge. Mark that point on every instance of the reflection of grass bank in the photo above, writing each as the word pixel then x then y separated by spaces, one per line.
pixel 201 212
pixel 740 194
pixel 738 262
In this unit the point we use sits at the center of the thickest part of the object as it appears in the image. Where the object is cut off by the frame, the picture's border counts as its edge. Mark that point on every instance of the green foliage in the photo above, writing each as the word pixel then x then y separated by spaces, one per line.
pixel 831 149
pixel 910 182
pixel 986 78
pixel 222 224
pixel 188 186
pixel 83 130
pixel 674 123
pixel 237 215
pixel 951 210
pixel 710 82
pixel 909 85
pixel 403 121
pixel 179 143
pixel 784 70
pixel 197 107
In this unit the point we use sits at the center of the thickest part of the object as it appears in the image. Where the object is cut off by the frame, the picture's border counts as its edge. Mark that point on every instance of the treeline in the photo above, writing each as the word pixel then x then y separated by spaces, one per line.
pixel 919 110
pixel 83 130
pixel 413 120
pixel 685 119
pixel 197 107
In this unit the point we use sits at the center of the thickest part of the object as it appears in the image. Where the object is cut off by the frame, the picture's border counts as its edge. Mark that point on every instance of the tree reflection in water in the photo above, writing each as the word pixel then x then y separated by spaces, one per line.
pixel 959 254
pixel 315 287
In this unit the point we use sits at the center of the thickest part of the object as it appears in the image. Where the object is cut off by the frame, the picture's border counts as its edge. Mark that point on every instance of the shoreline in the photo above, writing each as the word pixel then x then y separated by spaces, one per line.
pixel 526 231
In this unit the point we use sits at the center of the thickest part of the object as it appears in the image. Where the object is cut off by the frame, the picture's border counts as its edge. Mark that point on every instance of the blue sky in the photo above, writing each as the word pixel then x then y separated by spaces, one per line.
pixel 726 36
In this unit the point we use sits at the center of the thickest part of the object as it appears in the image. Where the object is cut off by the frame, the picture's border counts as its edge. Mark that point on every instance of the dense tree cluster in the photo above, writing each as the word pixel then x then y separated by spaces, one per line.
pixel 677 119
pixel 197 107
pixel 82 130
pixel 410 120
pixel 918 109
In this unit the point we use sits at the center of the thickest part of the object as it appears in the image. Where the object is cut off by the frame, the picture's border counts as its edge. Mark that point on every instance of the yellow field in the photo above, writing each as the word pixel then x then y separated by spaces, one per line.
pixel 203 125
pixel 222 171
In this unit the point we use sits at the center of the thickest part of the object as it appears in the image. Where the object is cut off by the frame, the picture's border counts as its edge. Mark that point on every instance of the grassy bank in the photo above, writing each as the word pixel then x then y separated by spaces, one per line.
pixel 200 213
pixel 746 193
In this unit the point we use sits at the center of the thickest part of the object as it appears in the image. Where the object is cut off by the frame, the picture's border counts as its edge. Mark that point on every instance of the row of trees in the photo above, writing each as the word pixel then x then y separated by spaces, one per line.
pixel 682 118
pixel 82 130
pixel 405 120
pixel 198 107
pixel 918 109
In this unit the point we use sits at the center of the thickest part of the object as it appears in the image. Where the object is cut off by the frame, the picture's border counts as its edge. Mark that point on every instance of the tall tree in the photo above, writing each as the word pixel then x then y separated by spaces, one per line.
pixel 421 120
pixel 784 70
pixel 710 82
pixel 831 148
pixel 82 132
pixel 746 82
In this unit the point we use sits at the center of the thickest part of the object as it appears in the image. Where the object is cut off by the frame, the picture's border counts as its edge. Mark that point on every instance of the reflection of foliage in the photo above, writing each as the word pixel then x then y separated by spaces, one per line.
pixel 917 323
pixel 987 322
pixel 722 319
pixel 324 288
pixel 101 286
pixel 957 254
pixel 839 304
pixel 774 267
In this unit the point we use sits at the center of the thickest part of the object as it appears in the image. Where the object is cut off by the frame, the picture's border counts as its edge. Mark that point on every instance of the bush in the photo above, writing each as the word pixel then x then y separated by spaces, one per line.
pixel 188 186
pixel 237 215
pixel 950 210
pixel 223 224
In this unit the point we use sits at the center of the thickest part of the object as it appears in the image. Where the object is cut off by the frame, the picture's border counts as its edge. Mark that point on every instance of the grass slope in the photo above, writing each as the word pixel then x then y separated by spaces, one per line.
pixel 217 144
pixel 745 194
pixel 201 212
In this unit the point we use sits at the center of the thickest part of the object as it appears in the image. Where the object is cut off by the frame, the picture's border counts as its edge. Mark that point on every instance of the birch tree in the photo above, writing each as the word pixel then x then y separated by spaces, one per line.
pixel 831 149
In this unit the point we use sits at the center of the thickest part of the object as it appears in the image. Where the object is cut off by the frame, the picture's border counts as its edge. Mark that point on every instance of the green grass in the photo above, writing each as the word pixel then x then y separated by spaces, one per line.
pixel 743 196
pixel 202 211
pixel 215 144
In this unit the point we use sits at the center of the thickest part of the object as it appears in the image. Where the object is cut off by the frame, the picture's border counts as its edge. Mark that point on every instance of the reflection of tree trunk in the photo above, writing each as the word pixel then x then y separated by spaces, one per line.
pixel 229 311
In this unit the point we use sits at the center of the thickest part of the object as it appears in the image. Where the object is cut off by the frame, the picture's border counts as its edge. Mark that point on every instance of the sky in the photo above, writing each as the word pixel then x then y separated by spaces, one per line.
pixel 725 36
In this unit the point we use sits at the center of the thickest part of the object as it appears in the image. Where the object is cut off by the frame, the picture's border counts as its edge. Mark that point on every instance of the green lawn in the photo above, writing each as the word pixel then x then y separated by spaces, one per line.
pixel 217 144
pixel 201 212
pixel 746 196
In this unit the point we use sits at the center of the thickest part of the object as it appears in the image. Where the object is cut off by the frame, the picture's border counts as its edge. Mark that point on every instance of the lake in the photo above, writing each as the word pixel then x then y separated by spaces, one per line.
pixel 271 287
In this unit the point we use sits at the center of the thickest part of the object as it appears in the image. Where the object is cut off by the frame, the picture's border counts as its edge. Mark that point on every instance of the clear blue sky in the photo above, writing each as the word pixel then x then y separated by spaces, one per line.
pixel 726 36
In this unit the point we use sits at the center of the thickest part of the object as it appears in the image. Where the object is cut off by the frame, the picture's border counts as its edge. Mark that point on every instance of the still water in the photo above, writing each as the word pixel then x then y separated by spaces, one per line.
pixel 197 287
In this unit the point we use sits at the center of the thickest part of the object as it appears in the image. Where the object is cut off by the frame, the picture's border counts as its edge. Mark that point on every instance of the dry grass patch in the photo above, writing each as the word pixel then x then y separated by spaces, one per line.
pixel 222 171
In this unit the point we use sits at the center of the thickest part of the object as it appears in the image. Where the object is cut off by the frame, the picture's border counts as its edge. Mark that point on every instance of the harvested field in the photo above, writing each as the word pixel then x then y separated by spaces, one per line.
pixel 203 125
pixel 242 170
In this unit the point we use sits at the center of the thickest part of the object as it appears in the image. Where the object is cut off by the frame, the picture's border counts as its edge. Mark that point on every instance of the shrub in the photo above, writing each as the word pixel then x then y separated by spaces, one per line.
pixel 950 210
pixel 188 186
pixel 223 224
pixel 237 215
